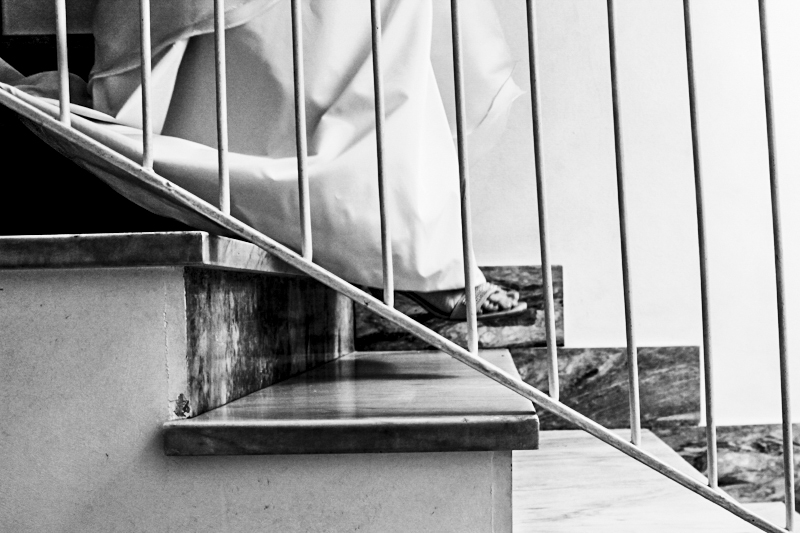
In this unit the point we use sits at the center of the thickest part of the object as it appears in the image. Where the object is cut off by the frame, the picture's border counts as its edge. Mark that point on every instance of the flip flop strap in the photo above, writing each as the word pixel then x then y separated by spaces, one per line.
pixel 483 292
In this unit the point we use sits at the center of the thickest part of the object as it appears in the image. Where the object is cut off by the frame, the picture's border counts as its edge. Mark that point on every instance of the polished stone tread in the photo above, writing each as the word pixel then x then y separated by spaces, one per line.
pixel 368 402
pixel 102 250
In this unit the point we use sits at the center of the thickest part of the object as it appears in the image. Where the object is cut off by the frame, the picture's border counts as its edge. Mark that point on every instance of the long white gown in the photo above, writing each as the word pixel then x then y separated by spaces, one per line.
pixel 421 165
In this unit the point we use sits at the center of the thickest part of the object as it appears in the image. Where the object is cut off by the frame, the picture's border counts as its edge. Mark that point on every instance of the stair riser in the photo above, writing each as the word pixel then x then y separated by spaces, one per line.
pixel 233 319
pixel 247 331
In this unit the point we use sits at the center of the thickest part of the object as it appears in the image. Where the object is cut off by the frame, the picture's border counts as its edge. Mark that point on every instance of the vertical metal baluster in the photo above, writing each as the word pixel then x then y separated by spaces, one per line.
pixel 544 245
pixel 144 49
pixel 380 113
pixel 463 171
pixel 222 107
pixel 63 65
pixel 788 452
pixel 708 382
pixel 300 129
pixel 633 366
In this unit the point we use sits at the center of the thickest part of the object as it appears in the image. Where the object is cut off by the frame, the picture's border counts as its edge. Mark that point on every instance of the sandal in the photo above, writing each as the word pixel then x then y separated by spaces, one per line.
pixel 459 311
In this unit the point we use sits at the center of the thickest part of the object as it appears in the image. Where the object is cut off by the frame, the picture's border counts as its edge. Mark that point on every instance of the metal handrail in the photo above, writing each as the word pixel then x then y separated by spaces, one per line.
pixel 708 367
pixel 627 292
pixel 777 242
pixel 222 106
pixel 541 201
pixel 306 245
pixel 68 128
pixel 63 67
pixel 147 71
pixel 380 117
pixel 463 175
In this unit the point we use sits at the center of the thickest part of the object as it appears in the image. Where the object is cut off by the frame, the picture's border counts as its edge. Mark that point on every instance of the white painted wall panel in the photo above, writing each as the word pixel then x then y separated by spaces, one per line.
pixel 579 161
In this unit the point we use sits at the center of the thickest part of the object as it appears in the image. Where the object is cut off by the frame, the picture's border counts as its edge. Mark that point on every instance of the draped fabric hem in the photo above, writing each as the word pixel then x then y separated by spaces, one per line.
pixel 233 18
pixel 420 157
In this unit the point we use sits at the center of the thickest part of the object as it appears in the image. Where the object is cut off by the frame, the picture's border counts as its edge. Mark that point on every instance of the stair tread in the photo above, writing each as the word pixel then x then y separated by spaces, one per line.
pixel 577 483
pixel 102 250
pixel 368 402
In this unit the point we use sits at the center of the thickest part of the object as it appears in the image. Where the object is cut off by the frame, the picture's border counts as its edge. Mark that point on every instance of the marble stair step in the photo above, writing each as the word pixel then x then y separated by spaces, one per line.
pixel 368 402
pixel 240 318
pixel 109 250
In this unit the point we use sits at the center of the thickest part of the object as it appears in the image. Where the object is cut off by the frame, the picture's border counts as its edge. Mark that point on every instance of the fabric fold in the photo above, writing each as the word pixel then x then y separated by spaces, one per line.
pixel 421 165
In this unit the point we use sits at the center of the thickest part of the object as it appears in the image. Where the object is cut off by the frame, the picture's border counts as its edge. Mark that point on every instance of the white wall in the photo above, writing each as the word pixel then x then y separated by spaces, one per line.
pixel 579 165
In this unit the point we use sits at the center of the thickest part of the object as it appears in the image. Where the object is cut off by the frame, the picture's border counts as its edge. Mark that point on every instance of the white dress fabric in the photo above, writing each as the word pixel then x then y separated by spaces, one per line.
pixel 421 165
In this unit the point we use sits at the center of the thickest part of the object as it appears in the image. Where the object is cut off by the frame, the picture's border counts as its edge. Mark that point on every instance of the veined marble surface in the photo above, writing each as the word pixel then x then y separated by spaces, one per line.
pixel 594 382
pixel 750 458
pixel 526 329
pixel 368 402
pixel 248 331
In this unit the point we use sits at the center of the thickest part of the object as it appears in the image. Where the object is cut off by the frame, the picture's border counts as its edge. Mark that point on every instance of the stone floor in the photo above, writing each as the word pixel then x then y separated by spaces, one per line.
pixel 575 483
pixel 594 382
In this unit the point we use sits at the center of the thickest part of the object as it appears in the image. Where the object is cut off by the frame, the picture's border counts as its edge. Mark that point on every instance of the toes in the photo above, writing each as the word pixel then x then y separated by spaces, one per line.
pixel 501 300
pixel 490 306
pixel 508 299
pixel 513 296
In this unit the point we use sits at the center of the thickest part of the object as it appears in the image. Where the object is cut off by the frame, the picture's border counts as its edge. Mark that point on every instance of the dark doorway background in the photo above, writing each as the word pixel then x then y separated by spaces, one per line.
pixel 43 192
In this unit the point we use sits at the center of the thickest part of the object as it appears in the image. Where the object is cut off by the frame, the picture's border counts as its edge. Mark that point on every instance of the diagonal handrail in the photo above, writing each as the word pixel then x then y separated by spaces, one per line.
pixel 153 181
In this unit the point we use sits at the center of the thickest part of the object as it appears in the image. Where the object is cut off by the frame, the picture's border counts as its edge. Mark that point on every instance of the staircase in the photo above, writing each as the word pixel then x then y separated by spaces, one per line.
pixel 187 361
pixel 213 345
pixel 268 413
pixel 186 382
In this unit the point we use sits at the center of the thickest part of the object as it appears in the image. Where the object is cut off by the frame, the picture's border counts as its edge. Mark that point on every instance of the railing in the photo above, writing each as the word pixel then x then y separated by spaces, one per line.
pixel 221 216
